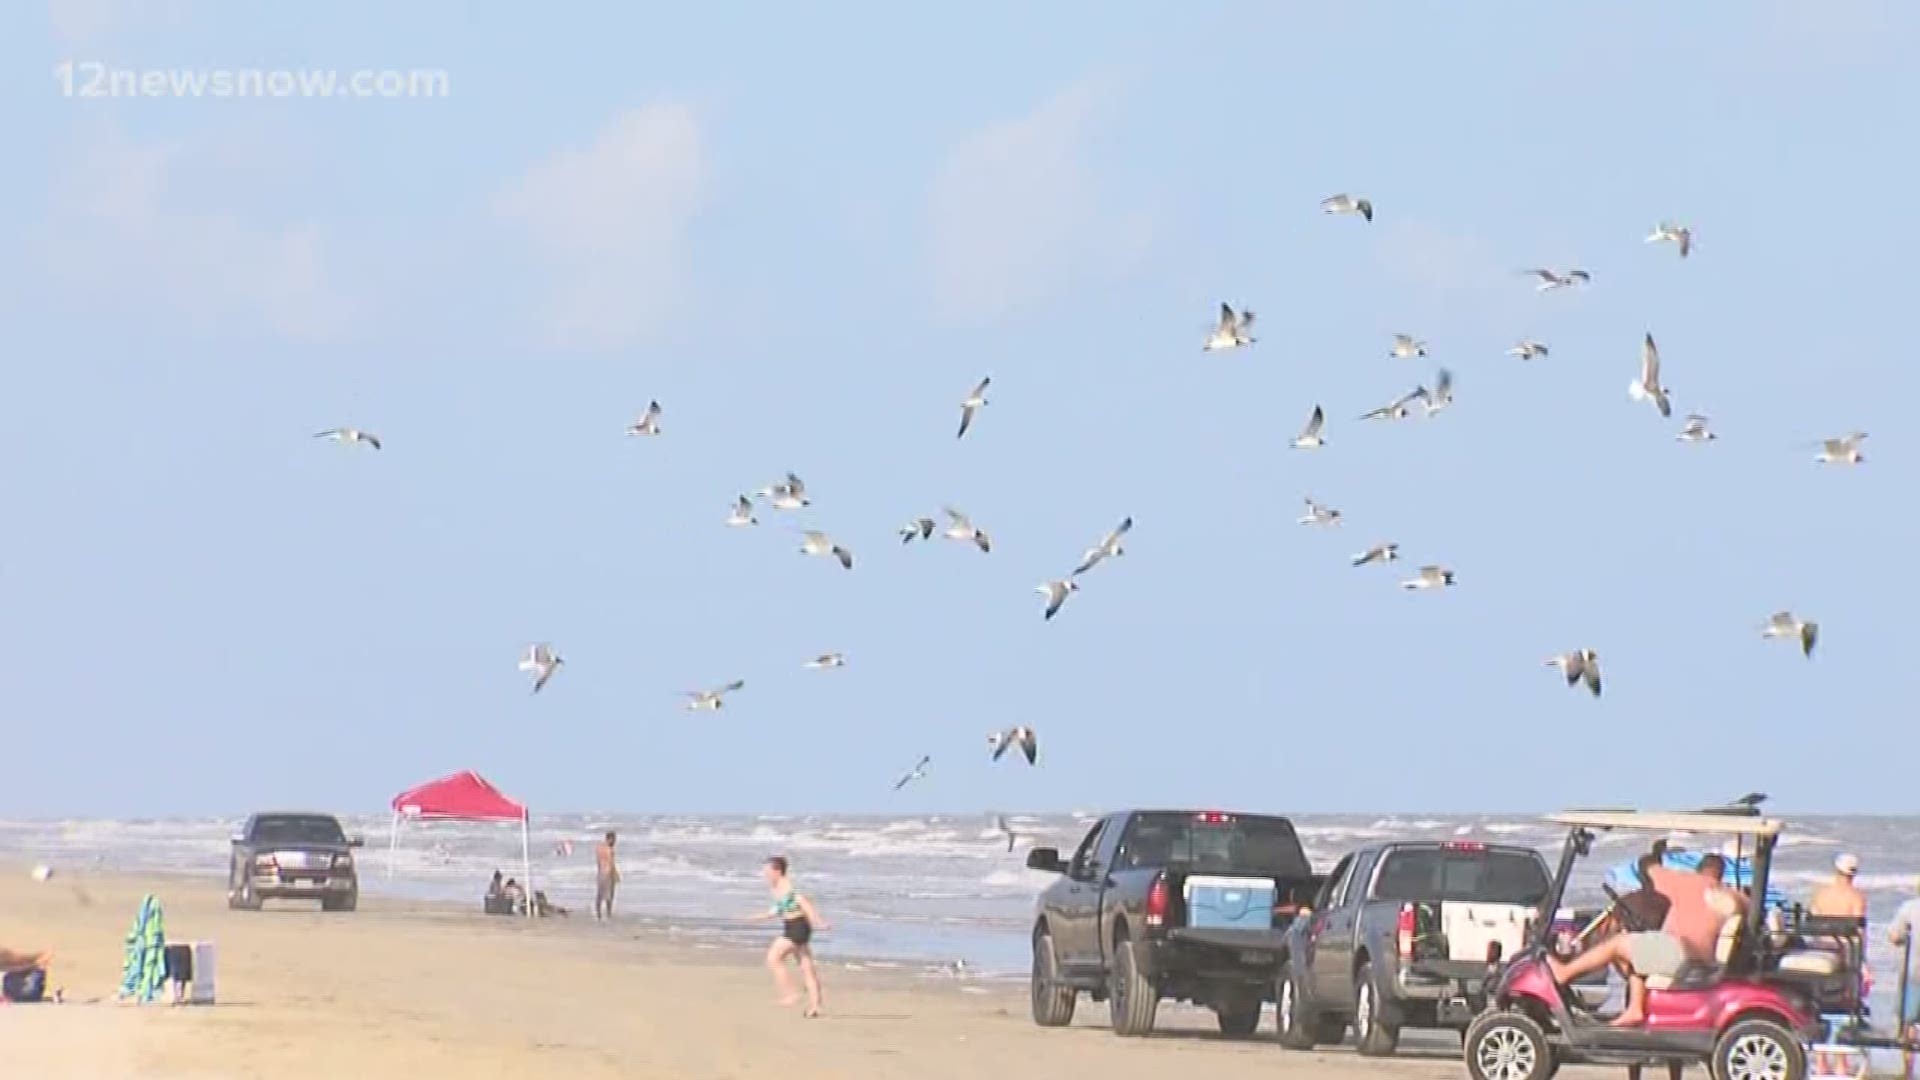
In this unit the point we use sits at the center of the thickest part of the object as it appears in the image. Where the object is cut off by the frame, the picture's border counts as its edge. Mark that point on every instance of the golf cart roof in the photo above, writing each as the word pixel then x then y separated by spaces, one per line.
pixel 1671 821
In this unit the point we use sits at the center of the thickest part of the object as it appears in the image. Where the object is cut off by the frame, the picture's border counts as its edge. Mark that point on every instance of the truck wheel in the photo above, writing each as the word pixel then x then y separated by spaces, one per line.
pixel 1293 1018
pixel 245 899
pixel 344 903
pixel 1376 1029
pixel 1759 1050
pixel 1052 1002
pixel 1238 1017
pixel 1131 999
pixel 1508 1045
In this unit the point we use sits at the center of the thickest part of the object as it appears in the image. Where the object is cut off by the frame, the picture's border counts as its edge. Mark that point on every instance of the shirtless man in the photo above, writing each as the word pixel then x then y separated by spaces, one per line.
pixel 1691 932
pixel 606 877
pixel 1841 898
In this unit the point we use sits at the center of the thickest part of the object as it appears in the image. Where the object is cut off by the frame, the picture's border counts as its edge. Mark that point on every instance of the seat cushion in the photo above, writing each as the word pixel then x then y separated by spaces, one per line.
pixel 1818 962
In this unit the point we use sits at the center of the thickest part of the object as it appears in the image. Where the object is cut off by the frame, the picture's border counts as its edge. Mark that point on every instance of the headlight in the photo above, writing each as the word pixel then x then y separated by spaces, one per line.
pixel 265 862
pixel 343 861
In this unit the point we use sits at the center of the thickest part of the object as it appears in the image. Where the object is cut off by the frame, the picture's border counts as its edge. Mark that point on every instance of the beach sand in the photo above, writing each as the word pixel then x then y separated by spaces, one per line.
pixel 417 990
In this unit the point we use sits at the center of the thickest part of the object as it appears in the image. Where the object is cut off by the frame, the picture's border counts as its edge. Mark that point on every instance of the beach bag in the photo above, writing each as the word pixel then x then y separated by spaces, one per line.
pixel 24 986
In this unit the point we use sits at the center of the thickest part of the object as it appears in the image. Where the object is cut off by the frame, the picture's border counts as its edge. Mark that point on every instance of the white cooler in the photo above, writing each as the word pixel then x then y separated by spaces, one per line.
pixel 200 990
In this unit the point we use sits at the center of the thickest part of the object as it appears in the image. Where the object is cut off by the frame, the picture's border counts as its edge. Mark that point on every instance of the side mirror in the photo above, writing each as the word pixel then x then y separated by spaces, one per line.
pixel 1046 859
pixel 237 838
pixel 356 842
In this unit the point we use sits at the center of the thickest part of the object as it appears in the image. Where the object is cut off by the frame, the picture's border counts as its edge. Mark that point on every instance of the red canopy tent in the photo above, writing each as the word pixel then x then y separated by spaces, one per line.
pixel 462 796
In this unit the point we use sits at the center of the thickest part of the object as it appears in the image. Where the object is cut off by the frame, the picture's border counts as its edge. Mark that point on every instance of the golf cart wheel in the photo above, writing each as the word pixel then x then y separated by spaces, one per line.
pixel 1376 1025
pixel 1293 1018
pixel 1759 1050
pixel 1053 1002
pixel 1508 1045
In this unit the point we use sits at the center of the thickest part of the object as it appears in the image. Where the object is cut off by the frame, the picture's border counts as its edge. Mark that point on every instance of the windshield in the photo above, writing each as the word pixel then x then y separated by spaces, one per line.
pixel 1259 845
pixel 1436 873
pixel 296 829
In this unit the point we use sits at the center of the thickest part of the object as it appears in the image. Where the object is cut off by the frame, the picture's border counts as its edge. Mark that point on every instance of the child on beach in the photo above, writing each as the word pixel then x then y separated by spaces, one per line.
pixel 799 920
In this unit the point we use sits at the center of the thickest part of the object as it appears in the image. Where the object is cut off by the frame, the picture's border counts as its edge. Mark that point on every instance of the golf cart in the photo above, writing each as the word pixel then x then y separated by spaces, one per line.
pixel 1757 1012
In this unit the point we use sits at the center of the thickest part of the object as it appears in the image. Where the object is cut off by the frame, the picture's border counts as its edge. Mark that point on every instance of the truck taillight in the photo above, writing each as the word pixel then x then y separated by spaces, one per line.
pixel 1403 932
pixel 1213 817
pixel 1157 902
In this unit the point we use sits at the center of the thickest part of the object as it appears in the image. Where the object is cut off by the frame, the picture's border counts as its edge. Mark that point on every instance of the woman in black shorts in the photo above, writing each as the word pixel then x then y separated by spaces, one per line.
pixel 798 920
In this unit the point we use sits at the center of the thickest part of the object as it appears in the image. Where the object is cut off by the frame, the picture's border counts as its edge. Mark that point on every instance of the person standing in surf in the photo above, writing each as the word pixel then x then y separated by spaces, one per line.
pixel 799 919
pixel 605 877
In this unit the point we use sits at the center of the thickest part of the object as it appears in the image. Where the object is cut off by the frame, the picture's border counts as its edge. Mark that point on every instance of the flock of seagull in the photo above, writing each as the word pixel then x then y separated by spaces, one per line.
pixel 1233 329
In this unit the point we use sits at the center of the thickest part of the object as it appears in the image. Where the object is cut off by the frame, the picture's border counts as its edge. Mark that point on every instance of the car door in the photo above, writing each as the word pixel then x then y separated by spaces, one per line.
pixel 1339 939
pixel 1075 919
pixel 1324 908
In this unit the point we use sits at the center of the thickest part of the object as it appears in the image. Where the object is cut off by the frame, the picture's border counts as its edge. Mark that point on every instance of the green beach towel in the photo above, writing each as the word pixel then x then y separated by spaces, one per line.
pixel 146 966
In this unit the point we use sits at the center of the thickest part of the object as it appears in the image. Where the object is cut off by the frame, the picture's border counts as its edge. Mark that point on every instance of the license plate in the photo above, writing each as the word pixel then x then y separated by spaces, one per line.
pixel 1250 957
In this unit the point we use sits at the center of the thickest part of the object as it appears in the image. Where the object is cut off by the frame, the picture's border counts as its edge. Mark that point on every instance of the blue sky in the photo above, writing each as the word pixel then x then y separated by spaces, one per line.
pixel 807 235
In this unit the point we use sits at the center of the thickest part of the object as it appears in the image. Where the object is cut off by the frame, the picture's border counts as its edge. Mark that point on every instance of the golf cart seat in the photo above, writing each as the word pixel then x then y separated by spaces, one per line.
pixel 1701 974
pixel 1817 963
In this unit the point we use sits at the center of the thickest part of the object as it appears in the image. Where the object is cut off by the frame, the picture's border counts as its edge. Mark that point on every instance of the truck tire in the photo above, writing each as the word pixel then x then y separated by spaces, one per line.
pixel 1376 1023
pixel 1052 1002
pixel 1295 1020
pixel 1132 1001
pixel 345 903
pixel 1238 1017
pixel 244 899
pixel 1506 1044
pixel 1759 1048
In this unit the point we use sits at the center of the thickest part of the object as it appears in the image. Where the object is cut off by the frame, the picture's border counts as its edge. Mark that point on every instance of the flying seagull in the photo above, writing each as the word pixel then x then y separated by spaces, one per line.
pixel 1679 234
pixel 971 405
pixel 828 660
pixel 543 662
pixel 714 698
pixel 1346 204
pixel 742 513
pixel 1406 347
pixel 1056 593
pixel 1232 331
pixel 1785 624
pixel 1309 437
pixel 917 529
pixel 959 527
pixel 918 772
pixel 347 436
pixel 1006 830
pixel 1647 387
pixel 1528 349
pixel 1380 553
pixel 1577 665
pixel 1107 548
pixel 1318 514
pixel 1429 577
pixel 1751 799
pixel 1022 737
pixel 788 494
pixel 815 542
pixel 1844 450
pixel 1399 408
pixel 1696 430
pixel 1441 395
pixel 649 422
pixel 1557 279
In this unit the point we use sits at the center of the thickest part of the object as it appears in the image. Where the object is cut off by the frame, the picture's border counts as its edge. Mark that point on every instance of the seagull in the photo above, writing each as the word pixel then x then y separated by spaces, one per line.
pixel 788 494
pixel 742 513
pixel 960 528
pixel 918 772
pixel 1405 347
pixel 1441 395
pixel 1006 830
pixel 815 542
pixel 918 528
pixel 1785 624
pixel 1677 233
pixel 1319 515
pixel 1346 204
pixel 828 660
pixel 1647 386
pixel 1022 737
pixel 712 699
pixel 1751 799
pixel 1844 450
pixel 348 436
pixel 1696 430
pixel 649 422
pixel 1556 279
pixel 543 662
pixel 1577 665
pixel 1430 577
pixel 1056 593
pixel 1528 349
pixel 1107 548
pixel 972 405
pixel 1309 437
pixel 1399 408
pixel 1381 553
pixel 1233 330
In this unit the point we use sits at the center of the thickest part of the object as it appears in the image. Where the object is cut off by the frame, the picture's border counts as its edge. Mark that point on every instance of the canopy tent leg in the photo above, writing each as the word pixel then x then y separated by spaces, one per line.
pixel 526 861
pixel 393 842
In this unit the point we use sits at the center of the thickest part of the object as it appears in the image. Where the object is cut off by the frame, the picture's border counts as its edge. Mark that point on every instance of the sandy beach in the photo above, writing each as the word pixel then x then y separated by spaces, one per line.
pixel 410 990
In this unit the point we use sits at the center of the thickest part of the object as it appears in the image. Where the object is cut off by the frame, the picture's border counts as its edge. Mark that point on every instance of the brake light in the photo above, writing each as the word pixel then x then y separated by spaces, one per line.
pixel 1463 845
pixel 1403 932
pixel 1212 817
pixel 1157 902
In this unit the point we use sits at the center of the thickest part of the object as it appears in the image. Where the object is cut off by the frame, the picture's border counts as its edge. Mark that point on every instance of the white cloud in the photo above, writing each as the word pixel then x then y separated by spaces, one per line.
pixel 1015 212
pixel 123 238
pixel 610 220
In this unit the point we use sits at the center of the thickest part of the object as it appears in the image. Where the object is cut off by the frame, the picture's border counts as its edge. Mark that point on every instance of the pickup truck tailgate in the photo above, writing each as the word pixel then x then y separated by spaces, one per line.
pixel 1469 929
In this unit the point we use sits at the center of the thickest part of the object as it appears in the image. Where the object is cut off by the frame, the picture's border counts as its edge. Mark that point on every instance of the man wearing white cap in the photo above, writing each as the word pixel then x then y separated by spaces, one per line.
pixel 1840 898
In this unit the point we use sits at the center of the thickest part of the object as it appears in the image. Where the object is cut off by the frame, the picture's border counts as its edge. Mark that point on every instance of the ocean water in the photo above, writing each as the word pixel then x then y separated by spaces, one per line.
pixel 917 891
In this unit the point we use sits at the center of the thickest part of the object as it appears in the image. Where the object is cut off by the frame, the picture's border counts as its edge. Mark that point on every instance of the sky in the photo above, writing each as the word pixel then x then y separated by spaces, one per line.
pixel 807 234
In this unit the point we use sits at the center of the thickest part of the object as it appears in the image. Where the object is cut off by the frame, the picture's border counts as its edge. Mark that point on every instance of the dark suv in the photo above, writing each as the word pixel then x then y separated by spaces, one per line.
pixel 293 856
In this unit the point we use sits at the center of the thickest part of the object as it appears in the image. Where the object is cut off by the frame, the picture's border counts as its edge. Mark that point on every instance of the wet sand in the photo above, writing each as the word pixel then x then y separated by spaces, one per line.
pixel 412 990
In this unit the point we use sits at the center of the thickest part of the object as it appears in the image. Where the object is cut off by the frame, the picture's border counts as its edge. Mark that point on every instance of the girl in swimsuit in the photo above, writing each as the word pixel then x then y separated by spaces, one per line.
pixel 798 920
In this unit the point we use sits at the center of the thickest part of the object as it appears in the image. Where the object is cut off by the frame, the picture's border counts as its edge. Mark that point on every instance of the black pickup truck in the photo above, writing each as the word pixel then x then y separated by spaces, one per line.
pixel 293 856
pixel 1158 904
pixel 1404 935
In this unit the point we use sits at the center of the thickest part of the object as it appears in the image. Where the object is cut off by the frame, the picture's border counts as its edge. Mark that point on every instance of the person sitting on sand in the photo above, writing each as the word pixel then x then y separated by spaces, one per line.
pixel 542 909
pixel 1691 931
pixel 23 976
pixel 495 890
pixel 514 894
